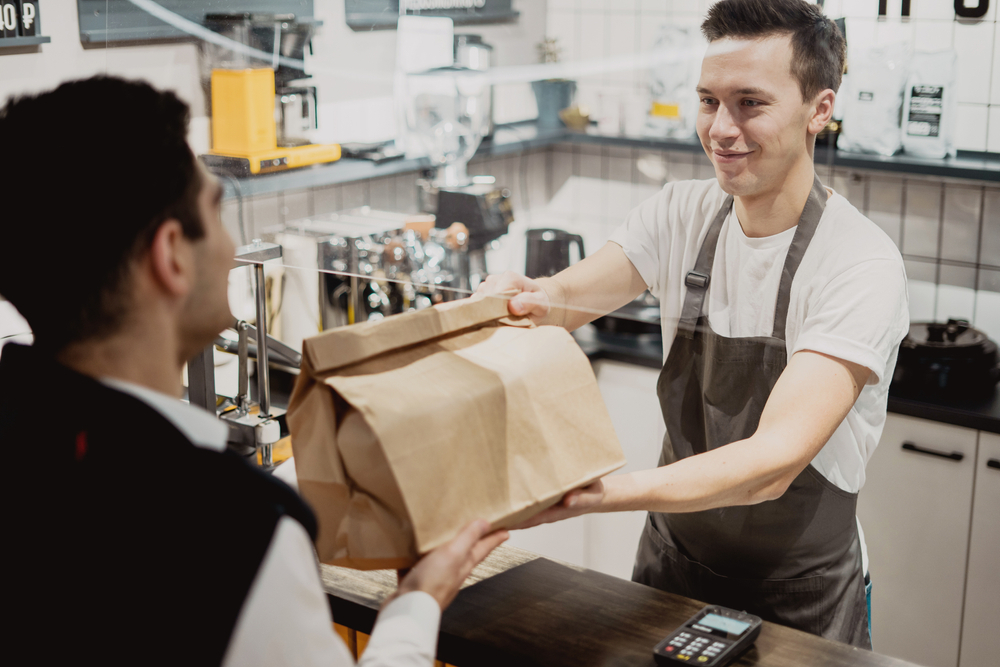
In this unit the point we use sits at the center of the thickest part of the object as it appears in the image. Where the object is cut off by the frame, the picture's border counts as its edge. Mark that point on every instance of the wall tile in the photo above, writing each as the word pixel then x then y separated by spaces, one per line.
pixel 564 27
pixel 833 8
pixel 993 129
pixel 922 289
pixel 970 133
pixel 960 238
pixel 593 39
pixel 231 220
pixel 703 167
pixel 860 8
pixel 990 251
pixel 537 193
pixel 406 192
pixel 974 44
pixel 921 221
pixel 560 169
pixel 929 36
pixel 382 194
pixel 622 39
pixel 988 307
pixel 893 31
pixel 619 168
pixel 956 301
pixel 860 34
pixel 658 7
pixel 327 200
pixel 995 85
pixel 295 205
pixel 852 186
pixel 355 195
pixel 265 213
pixel 885 205
pixel 680 166
pixel 933 9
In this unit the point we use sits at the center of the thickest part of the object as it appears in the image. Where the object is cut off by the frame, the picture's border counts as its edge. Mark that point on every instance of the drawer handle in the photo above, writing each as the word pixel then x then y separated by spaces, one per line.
pixel 993 463
pixel 954 456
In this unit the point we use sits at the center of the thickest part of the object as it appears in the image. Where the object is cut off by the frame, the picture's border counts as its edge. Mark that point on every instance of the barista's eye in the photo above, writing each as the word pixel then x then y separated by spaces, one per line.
pixel 751 103
pixel 709 100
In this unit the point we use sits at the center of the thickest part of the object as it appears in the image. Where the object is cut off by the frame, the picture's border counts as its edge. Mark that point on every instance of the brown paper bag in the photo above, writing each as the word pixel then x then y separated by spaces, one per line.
pixel 406 429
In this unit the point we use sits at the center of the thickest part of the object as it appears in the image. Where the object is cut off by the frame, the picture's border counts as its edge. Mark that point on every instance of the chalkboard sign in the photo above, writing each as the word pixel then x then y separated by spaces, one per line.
pixel 381 14
pixel 104 21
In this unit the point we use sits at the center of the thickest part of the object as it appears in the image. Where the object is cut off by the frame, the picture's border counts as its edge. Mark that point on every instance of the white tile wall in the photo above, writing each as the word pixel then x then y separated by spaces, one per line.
pixel 971 128
pixel 633 25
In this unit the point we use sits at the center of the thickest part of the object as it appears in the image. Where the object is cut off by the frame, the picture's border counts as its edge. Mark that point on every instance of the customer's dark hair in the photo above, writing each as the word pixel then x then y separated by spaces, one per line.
pixel 90 171
pixel 818 48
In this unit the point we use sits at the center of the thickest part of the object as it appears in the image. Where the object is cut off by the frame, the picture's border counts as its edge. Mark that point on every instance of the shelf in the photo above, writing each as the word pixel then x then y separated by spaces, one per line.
pixel 361 21
pixel 12 42
pixel 518 137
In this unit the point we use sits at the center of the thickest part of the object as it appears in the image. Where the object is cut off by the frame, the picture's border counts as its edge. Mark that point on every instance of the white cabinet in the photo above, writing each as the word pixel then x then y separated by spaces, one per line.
pixel 607 542
pixel 981 621
pixel 914 509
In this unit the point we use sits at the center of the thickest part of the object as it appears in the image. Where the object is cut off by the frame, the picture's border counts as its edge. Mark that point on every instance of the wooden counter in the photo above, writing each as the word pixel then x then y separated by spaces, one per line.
pixel 519 608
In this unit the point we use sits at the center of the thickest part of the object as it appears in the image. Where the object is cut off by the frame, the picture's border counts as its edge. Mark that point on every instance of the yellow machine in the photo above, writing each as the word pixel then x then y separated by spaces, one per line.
pixel 244 139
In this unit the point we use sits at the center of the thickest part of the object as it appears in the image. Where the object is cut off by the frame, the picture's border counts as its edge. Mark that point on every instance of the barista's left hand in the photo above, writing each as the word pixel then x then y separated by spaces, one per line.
pixel 574 503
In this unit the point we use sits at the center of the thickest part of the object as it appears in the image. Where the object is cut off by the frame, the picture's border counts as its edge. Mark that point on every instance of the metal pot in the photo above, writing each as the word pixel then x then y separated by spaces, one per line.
pixel 946 359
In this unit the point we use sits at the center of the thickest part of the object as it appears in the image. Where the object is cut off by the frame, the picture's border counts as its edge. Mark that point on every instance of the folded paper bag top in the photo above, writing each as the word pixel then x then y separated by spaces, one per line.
pixel 406 429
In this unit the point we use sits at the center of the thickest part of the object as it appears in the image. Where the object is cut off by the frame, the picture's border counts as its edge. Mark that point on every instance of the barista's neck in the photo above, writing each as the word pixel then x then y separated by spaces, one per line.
pixel 778 208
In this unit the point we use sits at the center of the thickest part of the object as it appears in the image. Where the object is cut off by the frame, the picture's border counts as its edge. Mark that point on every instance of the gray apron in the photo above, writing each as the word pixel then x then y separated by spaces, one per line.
pixel 795 560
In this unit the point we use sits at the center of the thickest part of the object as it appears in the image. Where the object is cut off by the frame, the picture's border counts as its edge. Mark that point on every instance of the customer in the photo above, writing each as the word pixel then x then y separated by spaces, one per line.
pixel 137 538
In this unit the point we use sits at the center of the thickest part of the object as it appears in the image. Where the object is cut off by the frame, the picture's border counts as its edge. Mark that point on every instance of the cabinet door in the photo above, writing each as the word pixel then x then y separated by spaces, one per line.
pixel 914 509
pixel 607 542
pixel 981 622
pixel 629 391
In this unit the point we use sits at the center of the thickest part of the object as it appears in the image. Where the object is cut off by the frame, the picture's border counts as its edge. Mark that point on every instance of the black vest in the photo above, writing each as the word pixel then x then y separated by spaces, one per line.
pixel 129 544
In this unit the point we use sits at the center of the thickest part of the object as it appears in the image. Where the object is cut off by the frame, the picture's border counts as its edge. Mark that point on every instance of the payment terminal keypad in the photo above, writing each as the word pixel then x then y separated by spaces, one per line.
pixel 713 638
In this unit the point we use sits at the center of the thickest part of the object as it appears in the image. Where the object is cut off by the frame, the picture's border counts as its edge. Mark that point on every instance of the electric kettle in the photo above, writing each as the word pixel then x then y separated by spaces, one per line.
pixel 548 251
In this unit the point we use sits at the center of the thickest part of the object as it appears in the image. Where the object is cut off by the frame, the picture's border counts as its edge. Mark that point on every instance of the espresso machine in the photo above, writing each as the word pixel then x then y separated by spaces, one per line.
pixel 449 110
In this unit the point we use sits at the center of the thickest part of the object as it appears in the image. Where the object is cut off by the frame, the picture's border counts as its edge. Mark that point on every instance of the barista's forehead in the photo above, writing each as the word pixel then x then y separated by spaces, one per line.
pixel 740 63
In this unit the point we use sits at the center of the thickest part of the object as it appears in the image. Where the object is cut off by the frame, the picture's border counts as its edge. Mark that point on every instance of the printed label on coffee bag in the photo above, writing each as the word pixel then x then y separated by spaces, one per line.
pixel 926 106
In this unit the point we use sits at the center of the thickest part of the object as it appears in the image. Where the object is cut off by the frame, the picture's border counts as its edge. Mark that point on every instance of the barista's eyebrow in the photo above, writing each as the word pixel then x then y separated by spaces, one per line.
pixel 741 91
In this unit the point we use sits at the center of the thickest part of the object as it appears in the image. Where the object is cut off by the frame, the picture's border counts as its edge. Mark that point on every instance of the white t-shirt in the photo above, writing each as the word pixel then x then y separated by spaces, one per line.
pixel 848 298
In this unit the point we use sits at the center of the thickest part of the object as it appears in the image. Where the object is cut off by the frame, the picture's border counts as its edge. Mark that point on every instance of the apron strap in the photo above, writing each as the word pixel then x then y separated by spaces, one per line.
pixel 698 278
pixel 808 222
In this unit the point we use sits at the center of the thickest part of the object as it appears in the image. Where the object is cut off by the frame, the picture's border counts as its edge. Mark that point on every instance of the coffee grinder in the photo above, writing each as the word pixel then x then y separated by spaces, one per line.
pixel 448 110
pixel 262 110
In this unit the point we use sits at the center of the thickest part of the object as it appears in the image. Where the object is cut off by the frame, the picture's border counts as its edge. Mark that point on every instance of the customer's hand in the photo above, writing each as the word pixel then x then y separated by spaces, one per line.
pixel 529 297
pixel 442 572
pixel 576 502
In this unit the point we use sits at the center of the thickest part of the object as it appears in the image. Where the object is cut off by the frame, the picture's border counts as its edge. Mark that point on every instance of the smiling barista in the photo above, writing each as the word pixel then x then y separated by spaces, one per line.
pixel 785 307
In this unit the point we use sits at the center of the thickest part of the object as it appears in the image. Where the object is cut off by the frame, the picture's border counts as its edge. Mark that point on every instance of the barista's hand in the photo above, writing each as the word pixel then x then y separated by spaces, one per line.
pixel 443 571
pixel 530 298
pixel 574 503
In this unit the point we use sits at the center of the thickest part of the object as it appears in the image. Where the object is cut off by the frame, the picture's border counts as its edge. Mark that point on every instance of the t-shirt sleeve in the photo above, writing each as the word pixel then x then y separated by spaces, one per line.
pixel 639 236
pixel 860 316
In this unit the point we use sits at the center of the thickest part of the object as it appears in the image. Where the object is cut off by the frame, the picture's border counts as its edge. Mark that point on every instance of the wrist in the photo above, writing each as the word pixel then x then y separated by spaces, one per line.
pixel 619 494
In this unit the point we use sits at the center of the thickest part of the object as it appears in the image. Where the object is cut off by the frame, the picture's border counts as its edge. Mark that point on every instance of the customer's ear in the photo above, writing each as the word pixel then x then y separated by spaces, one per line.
pixel 171 259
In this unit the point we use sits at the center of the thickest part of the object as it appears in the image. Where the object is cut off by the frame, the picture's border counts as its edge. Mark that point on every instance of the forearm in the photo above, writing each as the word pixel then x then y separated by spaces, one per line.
pixel 745 472
pixel 597 285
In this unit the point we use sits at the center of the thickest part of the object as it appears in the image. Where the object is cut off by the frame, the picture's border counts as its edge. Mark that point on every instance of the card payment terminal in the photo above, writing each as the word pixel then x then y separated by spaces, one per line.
pixel 713 637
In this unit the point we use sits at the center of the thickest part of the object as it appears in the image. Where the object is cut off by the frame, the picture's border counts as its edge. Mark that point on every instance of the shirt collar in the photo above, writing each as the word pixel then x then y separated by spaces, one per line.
pixel 198 426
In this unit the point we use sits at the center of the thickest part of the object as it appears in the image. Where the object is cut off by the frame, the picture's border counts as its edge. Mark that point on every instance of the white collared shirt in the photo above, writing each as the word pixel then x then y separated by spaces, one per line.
pixel 285 618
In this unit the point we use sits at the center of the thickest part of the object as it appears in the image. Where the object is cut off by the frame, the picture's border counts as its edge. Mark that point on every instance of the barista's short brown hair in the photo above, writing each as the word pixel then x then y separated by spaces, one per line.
pixel 818 48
